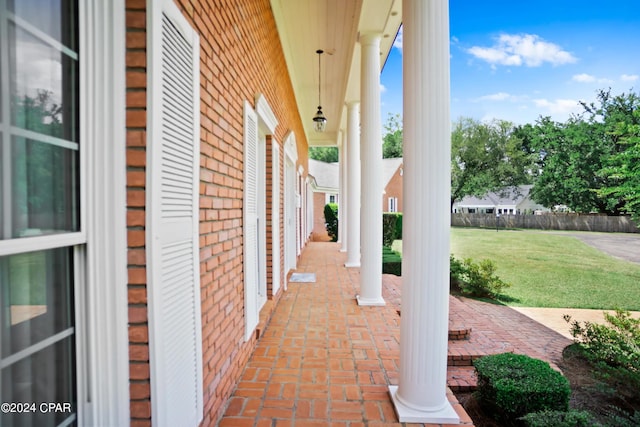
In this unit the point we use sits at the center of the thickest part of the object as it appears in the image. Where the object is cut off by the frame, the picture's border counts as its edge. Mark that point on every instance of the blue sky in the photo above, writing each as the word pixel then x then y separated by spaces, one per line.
pixel 516 60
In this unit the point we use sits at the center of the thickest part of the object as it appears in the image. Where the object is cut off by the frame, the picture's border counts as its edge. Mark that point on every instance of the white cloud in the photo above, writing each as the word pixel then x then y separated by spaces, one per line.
pixel 588 78
pixel 583 78
pixel 383 88
pixel 500 96
pixel 522 49
pixel 397 43
pixel 558 106
pixel 629 77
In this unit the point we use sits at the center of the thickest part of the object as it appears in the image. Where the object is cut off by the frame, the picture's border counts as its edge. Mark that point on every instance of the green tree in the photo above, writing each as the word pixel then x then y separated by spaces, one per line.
pixel 392 140
pixel 487 157
pixel 624 170
pixel 577 157
pixel 324 154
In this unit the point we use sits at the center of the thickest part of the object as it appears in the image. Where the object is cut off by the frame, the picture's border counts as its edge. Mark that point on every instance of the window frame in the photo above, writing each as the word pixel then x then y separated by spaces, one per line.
pixel 100 266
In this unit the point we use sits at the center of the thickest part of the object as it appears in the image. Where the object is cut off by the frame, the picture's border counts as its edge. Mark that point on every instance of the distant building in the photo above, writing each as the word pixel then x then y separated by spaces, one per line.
pixel 392 170
pixel 324 179
pixel 510 201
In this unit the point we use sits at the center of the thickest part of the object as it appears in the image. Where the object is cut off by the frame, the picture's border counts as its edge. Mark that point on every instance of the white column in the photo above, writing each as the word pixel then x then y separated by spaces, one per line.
pixel 371 151
pixel 343 195
pixel 353 185
pixel 420 396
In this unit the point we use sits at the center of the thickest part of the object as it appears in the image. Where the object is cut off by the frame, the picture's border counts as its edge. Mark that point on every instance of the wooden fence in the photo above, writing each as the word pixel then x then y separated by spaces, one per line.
pixel 577 222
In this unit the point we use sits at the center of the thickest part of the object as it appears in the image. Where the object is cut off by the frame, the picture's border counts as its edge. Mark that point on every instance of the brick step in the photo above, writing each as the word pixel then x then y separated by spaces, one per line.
pixel 462 359
pixel 461 378
pixel 458 333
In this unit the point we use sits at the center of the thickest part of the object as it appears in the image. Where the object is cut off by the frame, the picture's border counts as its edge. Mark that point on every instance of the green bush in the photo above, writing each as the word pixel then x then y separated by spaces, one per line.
pixel 619 418
pixel 616 343
pixel 331 220
pixel 513 385
pixel 456 270
pixel 477 280
pixel 559 419
pixel 398 235
pixel 613 349
pixel 390 227
pixel 391 261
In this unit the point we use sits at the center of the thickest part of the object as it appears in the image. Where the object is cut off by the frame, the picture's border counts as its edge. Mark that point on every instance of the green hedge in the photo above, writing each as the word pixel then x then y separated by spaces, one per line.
pixel 331 220
pixel 514 385
pixel 391 227
pixel 391 261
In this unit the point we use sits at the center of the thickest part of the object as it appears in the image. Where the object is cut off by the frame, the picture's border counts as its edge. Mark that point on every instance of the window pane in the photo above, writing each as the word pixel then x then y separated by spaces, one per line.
pixel 45 188
pixel 45 376
pixel 37 298
pixel 43 87
pixel 49 16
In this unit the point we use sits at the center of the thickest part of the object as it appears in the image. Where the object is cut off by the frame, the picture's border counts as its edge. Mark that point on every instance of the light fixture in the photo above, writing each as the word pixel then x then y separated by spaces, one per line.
pixel 319 120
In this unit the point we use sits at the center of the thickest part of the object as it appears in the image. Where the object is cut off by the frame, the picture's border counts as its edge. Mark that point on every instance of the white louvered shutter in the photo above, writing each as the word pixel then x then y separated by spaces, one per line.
pixel 174 288
pixel 250 219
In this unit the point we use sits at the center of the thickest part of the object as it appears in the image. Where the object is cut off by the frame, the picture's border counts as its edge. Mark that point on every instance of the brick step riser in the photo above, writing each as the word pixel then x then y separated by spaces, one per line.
pixel 461 379
pixel 459 334
pixel 466 360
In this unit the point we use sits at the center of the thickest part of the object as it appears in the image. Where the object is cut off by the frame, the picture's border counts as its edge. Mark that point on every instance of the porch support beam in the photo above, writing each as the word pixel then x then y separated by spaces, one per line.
pixel 420 396
pixel 353 184
pixel 371 146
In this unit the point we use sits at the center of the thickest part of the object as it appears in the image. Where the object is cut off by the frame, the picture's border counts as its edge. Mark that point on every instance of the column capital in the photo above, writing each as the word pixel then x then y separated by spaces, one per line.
pixel 352 103
pixel 369 37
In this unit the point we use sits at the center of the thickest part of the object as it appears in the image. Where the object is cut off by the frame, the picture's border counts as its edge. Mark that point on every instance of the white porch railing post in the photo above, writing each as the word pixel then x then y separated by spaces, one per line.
pixel 421 393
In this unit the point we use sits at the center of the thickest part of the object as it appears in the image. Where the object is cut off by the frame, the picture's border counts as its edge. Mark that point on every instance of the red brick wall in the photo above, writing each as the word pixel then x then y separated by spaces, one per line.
pixel 136 80
pixel 240 56
pixel 393 189
pixel 319 232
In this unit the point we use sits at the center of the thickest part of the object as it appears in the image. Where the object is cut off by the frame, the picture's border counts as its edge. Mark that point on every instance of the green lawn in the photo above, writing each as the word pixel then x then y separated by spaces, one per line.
pixel 551 270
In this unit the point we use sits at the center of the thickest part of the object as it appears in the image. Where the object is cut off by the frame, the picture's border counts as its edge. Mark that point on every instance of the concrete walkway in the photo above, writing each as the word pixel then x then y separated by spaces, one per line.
pixel 553 318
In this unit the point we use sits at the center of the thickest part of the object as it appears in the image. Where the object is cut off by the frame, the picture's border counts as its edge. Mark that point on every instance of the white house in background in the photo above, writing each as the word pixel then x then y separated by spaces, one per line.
pixel 326 180
pixel 510 201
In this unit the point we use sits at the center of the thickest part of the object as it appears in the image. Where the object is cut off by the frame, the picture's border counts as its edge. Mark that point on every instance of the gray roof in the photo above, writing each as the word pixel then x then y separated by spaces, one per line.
pixel 389 168
pixel 327 175
pixel 508 196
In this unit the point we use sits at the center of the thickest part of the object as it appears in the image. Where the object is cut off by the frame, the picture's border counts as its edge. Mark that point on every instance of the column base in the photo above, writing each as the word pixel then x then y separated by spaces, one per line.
pixel 377 302
pixel 445 415
pixel 351 264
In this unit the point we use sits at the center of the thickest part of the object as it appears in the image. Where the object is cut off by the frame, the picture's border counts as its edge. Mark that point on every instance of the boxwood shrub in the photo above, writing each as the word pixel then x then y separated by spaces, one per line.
pixel 390 223
pixel 391 261
pixel 513 385
pixel 331 220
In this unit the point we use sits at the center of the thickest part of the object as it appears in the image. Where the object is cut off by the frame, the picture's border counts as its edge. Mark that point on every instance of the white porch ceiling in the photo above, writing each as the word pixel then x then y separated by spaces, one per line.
pixel 305 26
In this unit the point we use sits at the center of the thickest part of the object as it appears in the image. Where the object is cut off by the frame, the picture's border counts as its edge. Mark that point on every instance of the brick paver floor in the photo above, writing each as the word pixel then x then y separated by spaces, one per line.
pixel 325 361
